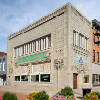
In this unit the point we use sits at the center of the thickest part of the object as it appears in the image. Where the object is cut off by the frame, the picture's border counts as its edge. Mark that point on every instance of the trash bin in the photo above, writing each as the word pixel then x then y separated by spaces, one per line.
pixel 86 91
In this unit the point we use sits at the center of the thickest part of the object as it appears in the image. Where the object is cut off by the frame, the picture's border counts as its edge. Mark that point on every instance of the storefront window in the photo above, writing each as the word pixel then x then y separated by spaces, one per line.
pixel 24 78
pixel 86 78
pixel 45 77
pixel 35 78
pixel 96 79
pixel 17 78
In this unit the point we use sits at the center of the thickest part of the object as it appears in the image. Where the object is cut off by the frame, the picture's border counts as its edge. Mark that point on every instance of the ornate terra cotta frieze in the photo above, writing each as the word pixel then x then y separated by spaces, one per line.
pixel 48 55
pixel 58 63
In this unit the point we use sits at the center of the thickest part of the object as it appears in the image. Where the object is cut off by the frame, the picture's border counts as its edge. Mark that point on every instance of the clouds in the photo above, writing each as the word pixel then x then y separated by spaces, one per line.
pixel 16 14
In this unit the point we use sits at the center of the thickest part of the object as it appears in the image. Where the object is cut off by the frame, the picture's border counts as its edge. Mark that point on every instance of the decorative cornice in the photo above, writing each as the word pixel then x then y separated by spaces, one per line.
pixel 46 18
pixel 41 21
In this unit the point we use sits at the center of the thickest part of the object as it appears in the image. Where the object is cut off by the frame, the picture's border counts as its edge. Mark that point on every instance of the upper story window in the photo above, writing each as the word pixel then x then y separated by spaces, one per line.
pixel 3 66
pixel 3 59
pixel 16 52
pixel 97 40
pixel 0 66
pixel 49 41
pixel 93 38
pixel 74 38
pixel 80 41
pixel 44 43
pixel 97 57
pixel 36 45
pixel 93 55
pixel 30 47
pixel 23 50
pixel 86 43
pixel 40 44
pixel 26 48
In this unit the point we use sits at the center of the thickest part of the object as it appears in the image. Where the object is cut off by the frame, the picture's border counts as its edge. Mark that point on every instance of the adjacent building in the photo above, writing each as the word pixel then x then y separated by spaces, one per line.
pixel 2 54
pixel 52 52
pixel 3 68
pixel 95 52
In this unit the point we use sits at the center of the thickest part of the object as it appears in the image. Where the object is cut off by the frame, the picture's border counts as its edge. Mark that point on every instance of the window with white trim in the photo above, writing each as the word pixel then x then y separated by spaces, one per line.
pixel 16 52
pixel 45 43
pixel 34 46
pixel 17 78
pixel 21 77
pixel 24 77
pixel 26 48
pixel 37 45
pixel 34 77
pixel 86 78
pixel 86 43
pixel 0 67
pixel 23 50
pixel 3 66
pixel 80 41
pixel 74 38
pixel 45 77
pixel 40 44
pixel 40 77
pixel 30 47
pixel 49 41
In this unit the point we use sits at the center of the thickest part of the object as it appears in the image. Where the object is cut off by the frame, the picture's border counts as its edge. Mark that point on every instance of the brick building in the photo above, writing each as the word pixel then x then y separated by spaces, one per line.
pixel 52 52
pixel 3 69
pixel 2 54
pixel 95 52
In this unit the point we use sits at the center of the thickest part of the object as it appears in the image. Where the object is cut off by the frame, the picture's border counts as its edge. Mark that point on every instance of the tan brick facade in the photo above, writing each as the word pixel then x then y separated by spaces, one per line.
pixel 60 24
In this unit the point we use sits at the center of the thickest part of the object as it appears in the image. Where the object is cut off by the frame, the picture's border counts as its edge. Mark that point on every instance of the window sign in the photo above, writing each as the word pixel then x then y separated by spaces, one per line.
pixel 86 78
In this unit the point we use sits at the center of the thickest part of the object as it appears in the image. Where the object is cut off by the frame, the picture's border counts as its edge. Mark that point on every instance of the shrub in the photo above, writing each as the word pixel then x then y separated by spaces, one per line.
pixel 64 94
pixel 67 91
pixel 91 96
pixel 31 95
pixel 61 97
pixel 9 96
pixel 42 95
pixel 98 94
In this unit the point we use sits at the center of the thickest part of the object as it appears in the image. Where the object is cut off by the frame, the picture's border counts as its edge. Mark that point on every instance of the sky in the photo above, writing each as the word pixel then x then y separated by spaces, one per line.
pixel 17 14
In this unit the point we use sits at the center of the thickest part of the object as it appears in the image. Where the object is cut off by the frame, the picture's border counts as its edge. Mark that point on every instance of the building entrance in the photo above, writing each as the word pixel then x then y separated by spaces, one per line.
pixel 74 81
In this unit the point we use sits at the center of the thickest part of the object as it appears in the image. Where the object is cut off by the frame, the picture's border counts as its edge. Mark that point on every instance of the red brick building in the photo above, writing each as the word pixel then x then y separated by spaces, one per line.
pixel 2 54
pixel 95 52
